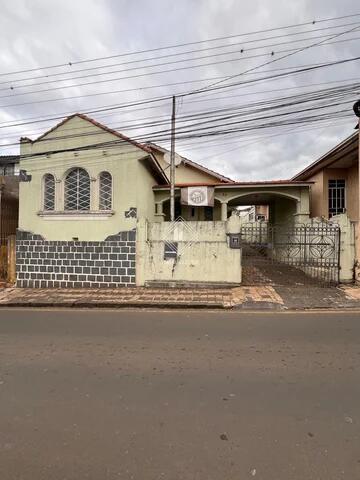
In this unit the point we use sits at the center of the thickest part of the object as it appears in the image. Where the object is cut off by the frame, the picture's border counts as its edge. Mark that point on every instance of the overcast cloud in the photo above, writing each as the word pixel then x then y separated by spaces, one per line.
pixel 39 33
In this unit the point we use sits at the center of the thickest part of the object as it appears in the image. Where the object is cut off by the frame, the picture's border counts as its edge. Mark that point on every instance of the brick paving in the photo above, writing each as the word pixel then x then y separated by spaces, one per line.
pixel 256 297
pixel 117 297
pixel 351 292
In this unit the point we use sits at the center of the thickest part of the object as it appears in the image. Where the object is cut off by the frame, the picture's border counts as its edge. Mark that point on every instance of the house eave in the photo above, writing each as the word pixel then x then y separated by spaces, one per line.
pixel 328 157
pixel 238 185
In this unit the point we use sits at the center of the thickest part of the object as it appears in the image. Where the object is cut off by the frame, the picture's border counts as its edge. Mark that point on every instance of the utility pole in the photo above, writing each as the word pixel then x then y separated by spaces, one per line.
pixel 356 109
pixel 172 162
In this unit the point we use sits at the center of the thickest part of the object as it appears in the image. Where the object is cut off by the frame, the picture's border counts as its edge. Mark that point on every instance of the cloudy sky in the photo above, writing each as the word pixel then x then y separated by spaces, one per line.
pixel 48 33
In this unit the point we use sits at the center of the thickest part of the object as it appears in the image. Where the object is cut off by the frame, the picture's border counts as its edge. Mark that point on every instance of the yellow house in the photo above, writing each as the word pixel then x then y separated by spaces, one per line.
pixel 83 188
pixel 90 198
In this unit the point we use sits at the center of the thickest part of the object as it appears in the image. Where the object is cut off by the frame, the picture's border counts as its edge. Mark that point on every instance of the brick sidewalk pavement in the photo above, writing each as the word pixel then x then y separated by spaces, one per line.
pixel 143 297
pixel 253 298
pixel 119 297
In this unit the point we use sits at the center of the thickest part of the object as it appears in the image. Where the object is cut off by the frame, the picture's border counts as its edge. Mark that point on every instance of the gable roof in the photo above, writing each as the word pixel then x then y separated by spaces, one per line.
pixel 347 146
pixel 96 124
pixel 193 164
pixel 154 167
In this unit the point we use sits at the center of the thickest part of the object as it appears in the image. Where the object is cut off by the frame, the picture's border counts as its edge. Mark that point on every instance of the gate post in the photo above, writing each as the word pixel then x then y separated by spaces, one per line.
pixel 11 259
pixel 141 251
pixel 347 248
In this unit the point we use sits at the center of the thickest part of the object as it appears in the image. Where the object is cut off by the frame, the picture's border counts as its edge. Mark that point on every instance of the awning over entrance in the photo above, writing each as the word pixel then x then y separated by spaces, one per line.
pixel 285 197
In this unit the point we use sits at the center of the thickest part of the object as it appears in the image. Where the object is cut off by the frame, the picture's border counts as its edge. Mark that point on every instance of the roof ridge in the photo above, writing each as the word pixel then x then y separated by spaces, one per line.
pixel 96 124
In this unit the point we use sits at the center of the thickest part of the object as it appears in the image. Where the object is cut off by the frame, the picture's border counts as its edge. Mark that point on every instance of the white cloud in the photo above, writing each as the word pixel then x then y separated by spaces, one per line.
pixel 39 33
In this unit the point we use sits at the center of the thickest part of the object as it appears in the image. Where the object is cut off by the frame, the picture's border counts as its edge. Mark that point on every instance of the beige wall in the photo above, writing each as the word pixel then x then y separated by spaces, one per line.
pixel 132 184
pixel 317 201
pixel 319 197
pixel 209 259
pixel 186 173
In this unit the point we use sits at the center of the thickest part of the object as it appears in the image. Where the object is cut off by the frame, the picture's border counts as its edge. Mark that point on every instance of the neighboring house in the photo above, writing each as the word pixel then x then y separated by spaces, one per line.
pixel 9 165
pixel 9 205
pixel 9 195
pixel 335 181
pixel 255 213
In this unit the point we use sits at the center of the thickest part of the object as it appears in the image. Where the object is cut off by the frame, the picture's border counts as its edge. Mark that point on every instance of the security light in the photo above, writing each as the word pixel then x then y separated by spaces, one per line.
pixel 356 108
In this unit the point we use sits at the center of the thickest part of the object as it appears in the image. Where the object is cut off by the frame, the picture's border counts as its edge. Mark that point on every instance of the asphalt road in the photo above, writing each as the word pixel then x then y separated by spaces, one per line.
pixel 179 395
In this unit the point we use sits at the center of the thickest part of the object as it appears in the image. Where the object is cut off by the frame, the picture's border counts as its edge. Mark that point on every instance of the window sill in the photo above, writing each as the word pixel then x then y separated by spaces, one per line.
pixel 75 214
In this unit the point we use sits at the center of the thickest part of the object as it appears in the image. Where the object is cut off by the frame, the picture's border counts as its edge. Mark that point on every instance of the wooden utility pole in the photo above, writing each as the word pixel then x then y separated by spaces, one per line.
pixel 172 162
pixel 357 233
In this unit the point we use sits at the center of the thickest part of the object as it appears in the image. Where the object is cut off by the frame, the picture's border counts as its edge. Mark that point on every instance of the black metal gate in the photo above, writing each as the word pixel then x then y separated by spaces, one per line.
pixel 290 255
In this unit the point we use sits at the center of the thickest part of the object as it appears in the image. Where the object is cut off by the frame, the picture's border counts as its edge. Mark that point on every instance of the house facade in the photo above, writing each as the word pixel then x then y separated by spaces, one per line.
pixel 94 211
pixel 334 191
pixel 335 181
pixel 83 189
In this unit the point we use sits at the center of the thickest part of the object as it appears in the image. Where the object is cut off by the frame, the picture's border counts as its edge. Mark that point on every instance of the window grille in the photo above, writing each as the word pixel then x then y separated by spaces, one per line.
pixel 105 191
pixel 49 192
pixel 77 190
pixel 336 197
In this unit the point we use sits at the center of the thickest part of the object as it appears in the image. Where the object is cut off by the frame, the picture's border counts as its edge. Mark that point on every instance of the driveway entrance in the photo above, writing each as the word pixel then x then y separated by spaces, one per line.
pixel 290 255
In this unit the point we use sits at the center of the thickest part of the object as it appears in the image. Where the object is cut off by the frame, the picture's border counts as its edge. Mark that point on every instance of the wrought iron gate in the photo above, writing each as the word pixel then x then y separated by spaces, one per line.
pixel 283 254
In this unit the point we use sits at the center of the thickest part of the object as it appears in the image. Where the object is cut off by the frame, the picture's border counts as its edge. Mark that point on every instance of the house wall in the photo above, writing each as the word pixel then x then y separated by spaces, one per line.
pixel 319 198
pixel 352 193
pixel 42 263
pixel 90 248
pixel 131 184
pixel 317 195
pixel 186 173
pixel 193 213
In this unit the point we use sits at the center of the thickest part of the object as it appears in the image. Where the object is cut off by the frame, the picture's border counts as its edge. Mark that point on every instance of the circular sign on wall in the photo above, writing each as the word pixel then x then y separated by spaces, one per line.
pixel 197 196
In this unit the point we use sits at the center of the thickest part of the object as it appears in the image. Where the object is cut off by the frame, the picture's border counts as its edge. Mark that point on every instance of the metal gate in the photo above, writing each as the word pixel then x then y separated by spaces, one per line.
pixel 290 255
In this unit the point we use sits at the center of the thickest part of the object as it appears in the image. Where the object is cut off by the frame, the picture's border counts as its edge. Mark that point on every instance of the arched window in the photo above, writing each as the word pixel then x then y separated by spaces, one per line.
pixel 105 191
pixel 77 190
pixel 49 192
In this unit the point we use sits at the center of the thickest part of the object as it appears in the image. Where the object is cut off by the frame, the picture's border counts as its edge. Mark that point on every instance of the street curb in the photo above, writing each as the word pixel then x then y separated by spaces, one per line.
pixel 248 306
pixel 92 305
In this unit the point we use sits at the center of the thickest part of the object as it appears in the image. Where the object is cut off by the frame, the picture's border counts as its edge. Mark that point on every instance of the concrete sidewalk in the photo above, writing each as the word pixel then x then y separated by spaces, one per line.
pixel 245 298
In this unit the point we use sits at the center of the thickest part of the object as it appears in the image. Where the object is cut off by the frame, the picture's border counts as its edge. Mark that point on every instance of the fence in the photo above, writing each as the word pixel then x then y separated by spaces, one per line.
pixel 185 252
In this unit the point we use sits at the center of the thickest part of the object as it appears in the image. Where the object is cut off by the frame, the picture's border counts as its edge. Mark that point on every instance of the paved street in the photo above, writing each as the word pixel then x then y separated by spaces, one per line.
pixel 94 394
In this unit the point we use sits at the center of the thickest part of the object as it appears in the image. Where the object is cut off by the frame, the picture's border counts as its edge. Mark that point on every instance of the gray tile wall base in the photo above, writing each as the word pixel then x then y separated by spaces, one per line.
pixel 61 264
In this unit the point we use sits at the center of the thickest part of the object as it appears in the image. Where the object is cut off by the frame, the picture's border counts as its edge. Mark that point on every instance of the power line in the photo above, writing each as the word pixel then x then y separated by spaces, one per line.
pixel 213 85
pixel 234 111
pixel 147 74
pixel 96 59
pixel 243 50
pixel 141 119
